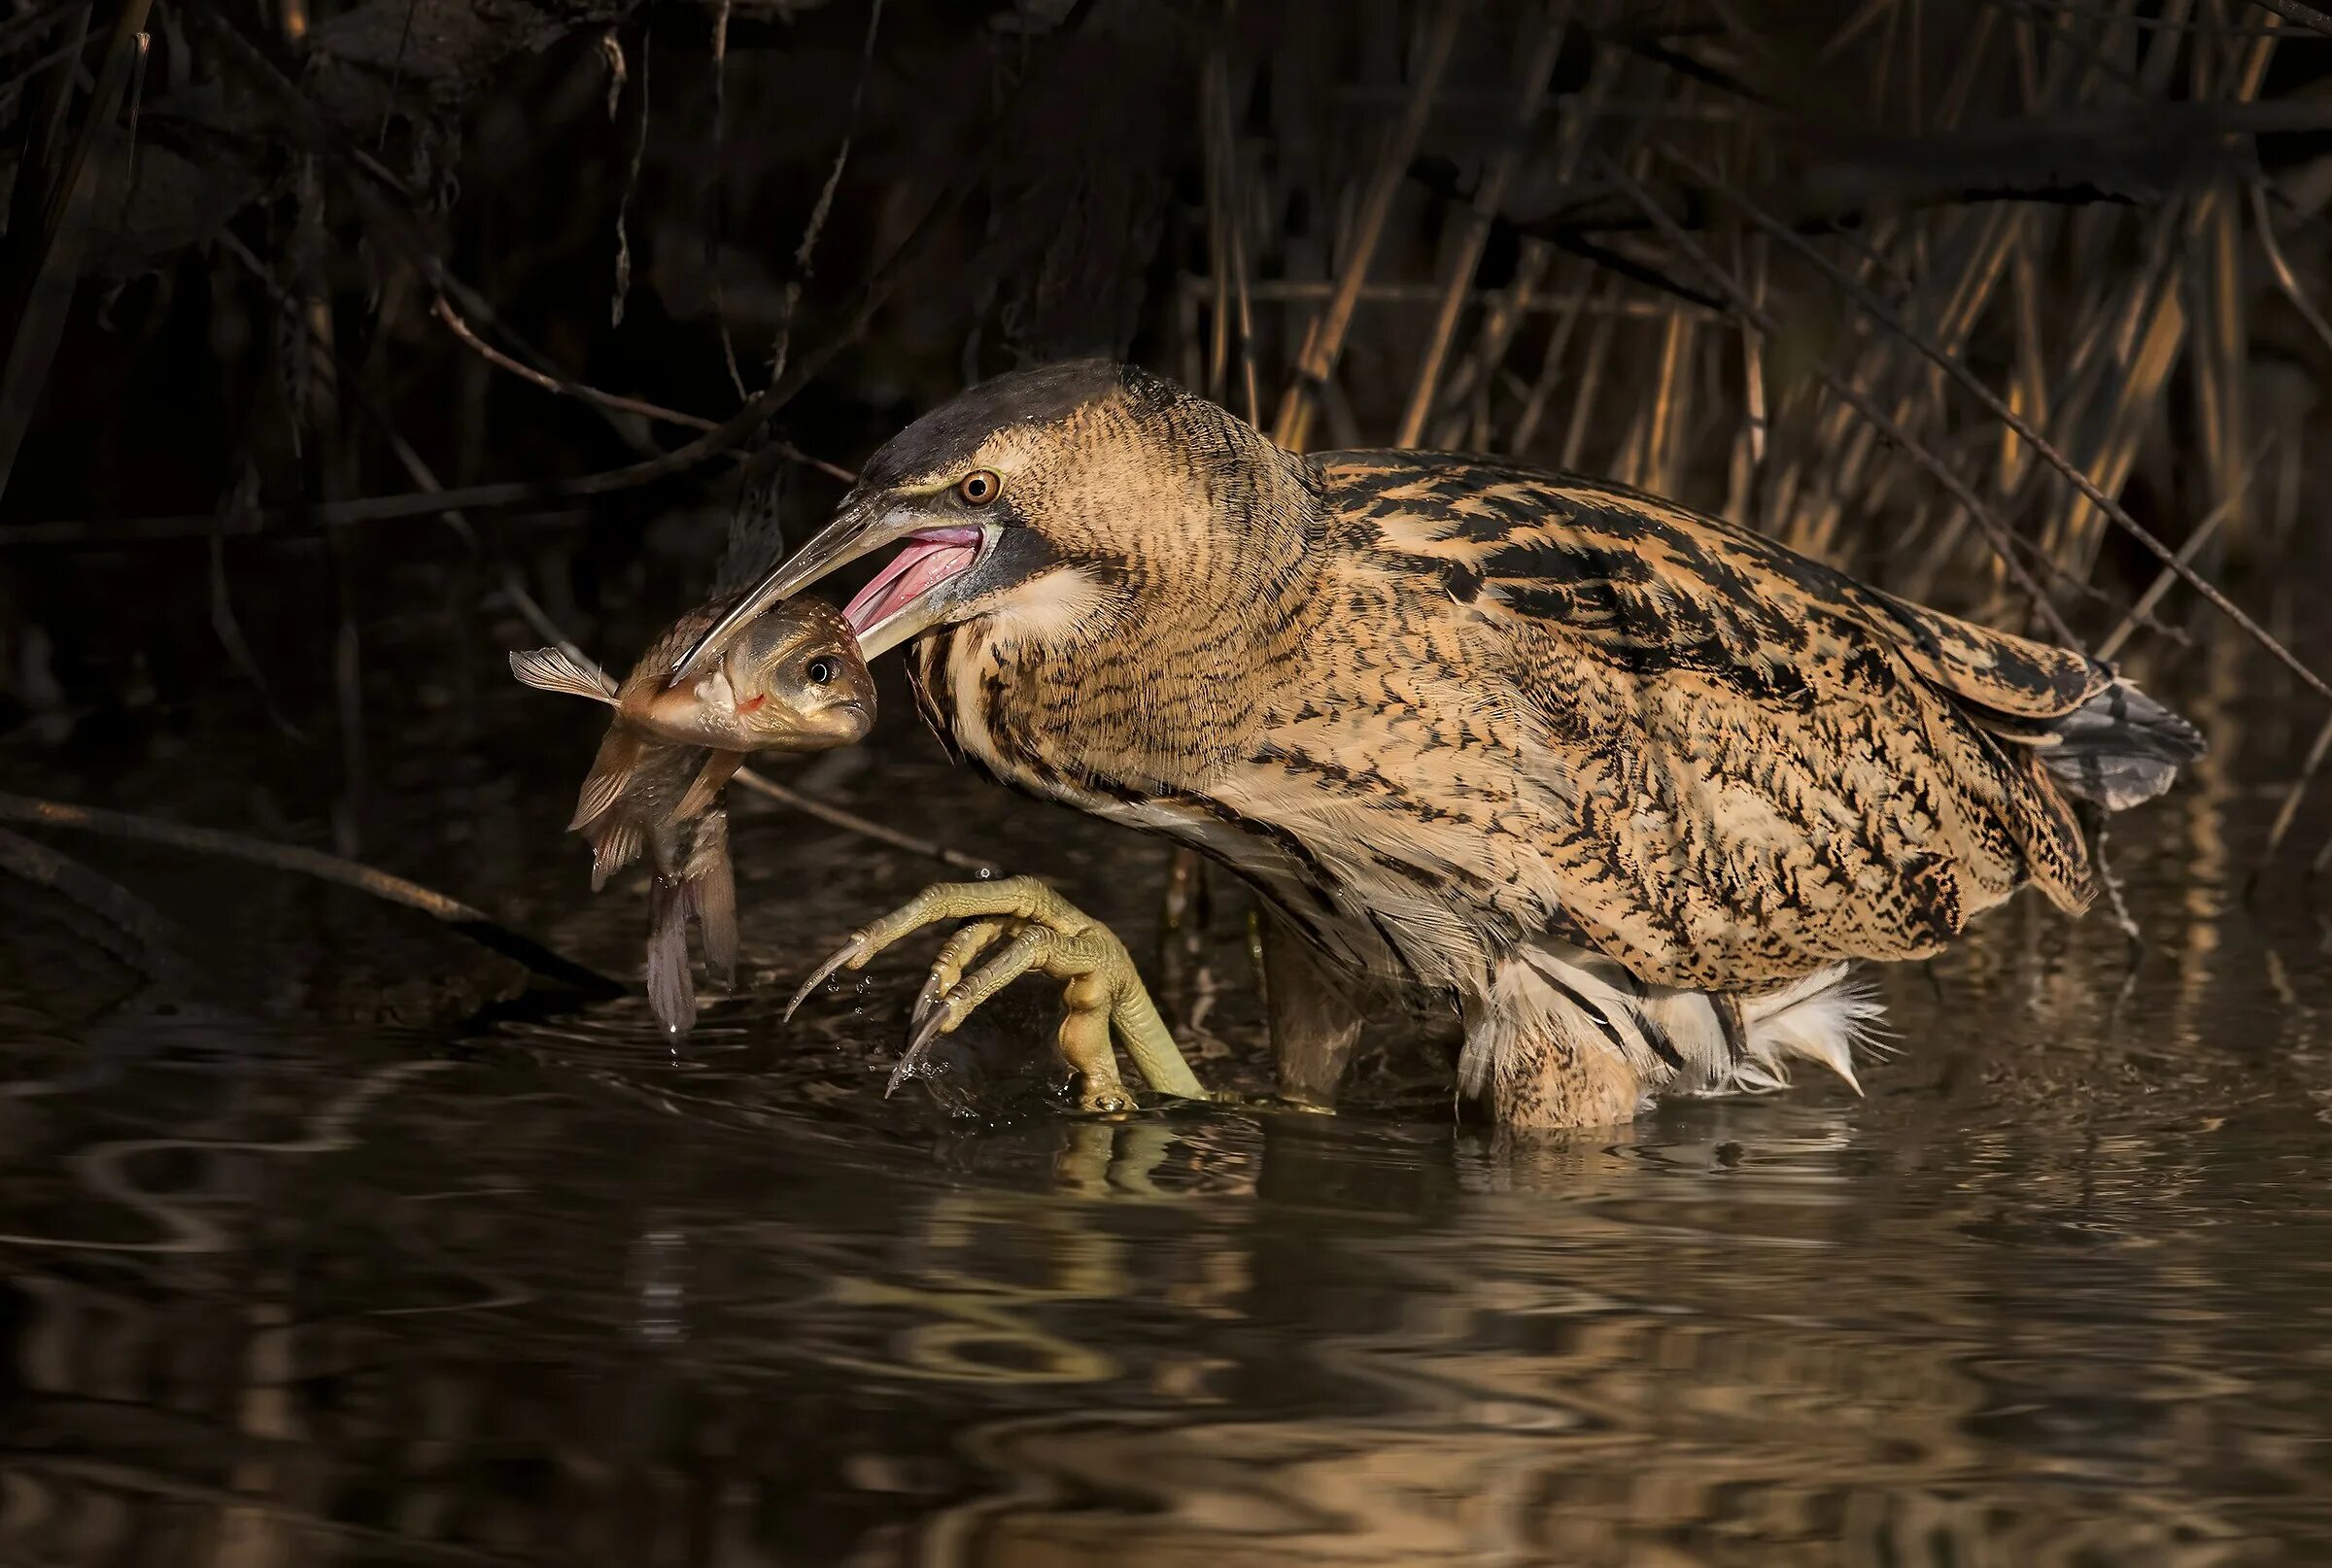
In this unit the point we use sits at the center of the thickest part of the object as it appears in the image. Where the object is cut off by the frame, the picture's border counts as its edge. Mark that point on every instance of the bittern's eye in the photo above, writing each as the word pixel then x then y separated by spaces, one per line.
pixel 979 486
pixel 824 671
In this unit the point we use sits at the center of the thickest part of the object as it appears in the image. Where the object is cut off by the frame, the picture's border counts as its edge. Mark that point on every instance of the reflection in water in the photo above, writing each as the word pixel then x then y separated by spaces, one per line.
pixel 2059 1291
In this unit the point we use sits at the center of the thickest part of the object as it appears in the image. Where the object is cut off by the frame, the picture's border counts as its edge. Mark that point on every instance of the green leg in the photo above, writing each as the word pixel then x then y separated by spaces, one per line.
pixel 1038 930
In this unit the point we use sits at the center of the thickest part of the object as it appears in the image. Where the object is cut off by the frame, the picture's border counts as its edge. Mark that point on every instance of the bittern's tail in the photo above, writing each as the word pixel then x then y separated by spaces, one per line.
pixel 2120 748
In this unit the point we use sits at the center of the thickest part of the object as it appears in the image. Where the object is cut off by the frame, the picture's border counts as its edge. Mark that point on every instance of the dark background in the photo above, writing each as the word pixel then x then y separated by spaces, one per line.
pixel 218 604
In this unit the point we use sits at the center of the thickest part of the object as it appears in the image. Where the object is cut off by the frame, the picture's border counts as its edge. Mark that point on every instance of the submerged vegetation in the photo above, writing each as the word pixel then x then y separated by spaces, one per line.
pixel 338 331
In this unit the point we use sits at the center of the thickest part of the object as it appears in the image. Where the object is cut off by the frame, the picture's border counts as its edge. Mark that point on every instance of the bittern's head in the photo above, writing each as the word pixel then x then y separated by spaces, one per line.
pixel 1048 501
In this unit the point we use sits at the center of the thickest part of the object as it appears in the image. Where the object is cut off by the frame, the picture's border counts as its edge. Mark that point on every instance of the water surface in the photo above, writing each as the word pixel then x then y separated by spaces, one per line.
pixel 279 1290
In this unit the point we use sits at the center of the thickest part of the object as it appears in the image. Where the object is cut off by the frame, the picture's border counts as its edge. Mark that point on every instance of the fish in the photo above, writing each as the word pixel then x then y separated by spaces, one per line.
pixel 794 682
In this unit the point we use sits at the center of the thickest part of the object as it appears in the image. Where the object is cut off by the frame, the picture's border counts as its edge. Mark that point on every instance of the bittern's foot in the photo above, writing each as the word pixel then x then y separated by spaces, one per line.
pixel 1041 931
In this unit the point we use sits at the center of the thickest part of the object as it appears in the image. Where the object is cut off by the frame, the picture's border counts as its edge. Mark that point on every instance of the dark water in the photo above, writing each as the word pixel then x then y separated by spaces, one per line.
pixel 2057 1290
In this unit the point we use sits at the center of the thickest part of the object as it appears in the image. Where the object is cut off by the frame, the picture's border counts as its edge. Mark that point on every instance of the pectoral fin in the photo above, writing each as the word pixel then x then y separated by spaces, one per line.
pixel 614 849
pixel 705 793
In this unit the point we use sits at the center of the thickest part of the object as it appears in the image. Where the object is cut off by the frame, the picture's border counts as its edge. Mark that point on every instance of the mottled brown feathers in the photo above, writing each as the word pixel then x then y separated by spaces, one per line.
pixel 1778 766
pixel 1629 781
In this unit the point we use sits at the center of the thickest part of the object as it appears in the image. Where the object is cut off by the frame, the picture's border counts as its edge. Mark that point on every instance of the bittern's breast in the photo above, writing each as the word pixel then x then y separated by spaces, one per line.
pixel 1346 765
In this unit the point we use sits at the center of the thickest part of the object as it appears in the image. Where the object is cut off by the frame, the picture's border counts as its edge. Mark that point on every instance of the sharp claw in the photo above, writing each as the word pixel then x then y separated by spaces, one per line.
pixel 925 1000
pixel 853 950
pixel 918 1047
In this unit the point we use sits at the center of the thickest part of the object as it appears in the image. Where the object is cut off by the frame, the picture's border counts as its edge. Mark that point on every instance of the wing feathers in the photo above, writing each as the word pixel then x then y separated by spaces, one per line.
pixel 1740 765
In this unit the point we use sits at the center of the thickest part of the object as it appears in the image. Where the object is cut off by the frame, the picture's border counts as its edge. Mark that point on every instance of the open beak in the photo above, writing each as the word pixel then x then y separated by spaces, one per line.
pixel 902 600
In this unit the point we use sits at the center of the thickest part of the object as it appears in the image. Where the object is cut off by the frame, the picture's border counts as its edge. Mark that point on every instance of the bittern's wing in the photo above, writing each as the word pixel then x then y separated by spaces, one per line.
pixel 1765 766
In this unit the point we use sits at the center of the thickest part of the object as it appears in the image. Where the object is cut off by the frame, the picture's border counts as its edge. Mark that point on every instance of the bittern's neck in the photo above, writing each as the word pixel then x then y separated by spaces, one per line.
pixel 1258 548
pixel 1220 592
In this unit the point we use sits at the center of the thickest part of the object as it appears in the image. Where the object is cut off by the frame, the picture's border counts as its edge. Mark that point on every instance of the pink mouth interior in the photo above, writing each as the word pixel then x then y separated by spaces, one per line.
pixel 930 559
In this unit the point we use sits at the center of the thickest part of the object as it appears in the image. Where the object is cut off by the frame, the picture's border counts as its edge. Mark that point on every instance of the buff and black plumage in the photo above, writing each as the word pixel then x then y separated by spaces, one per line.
pixel 1632 785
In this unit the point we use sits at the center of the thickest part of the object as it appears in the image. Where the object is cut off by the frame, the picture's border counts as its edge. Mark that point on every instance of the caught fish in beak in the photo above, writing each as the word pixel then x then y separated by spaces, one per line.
pixel 952 556
pixel 793 681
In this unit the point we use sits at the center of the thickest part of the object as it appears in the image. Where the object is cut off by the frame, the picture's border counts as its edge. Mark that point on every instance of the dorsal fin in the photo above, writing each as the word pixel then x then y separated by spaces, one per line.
pixel 555 669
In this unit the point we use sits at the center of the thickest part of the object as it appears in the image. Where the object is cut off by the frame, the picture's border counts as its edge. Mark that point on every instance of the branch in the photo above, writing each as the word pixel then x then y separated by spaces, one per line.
pixel 1325 342
pixel 475 924
pixel 462 330
pixel 398 226
pixel 1763 320
pixel 2293 10
pixel 1951 365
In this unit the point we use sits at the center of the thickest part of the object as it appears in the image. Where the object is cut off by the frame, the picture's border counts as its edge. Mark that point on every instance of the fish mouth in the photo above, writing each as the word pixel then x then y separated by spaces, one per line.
pixel 929 558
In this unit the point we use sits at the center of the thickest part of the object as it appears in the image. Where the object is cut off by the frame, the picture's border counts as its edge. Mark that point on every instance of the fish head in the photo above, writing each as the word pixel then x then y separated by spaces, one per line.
pixel 793 681
pixel 798 681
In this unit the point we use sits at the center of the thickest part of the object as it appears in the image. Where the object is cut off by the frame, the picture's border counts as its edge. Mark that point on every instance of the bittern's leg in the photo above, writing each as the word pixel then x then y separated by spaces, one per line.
pixel 1544 1065
pixel 1103 990
pixel 1314 1024
pixel 1182 929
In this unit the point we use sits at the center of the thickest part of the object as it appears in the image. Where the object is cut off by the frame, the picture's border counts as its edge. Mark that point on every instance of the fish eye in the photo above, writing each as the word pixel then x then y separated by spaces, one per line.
pixel 979 486
pixel 824 671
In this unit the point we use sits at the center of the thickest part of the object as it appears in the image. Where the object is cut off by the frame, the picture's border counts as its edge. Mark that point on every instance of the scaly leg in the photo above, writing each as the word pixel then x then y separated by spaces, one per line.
pixel 1314 1022
pixel 1039 931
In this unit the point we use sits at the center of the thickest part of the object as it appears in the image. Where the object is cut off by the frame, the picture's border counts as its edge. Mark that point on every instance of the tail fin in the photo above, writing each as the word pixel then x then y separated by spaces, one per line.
pixel 671 989
pixel 712 888
pixel 2120 748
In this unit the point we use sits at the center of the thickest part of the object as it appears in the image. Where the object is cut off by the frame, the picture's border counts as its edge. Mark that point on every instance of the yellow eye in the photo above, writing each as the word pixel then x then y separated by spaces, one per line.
pixel 979 487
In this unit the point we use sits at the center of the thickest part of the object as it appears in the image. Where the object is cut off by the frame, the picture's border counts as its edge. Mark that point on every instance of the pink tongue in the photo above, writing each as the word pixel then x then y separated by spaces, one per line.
pixel 921 565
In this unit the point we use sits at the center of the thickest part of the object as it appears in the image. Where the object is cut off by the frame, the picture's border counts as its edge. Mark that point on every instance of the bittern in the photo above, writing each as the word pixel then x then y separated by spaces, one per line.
pixel 1630 784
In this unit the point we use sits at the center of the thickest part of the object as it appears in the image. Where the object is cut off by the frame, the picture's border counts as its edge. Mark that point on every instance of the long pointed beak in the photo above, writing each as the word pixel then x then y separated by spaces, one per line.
pixel 853 534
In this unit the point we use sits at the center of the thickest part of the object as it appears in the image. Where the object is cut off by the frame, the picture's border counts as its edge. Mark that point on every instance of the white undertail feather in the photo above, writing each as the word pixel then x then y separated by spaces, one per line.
pixel 1688 1021
pixel 1821 1018
pixel 1825 1017
pixel 1517 1013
